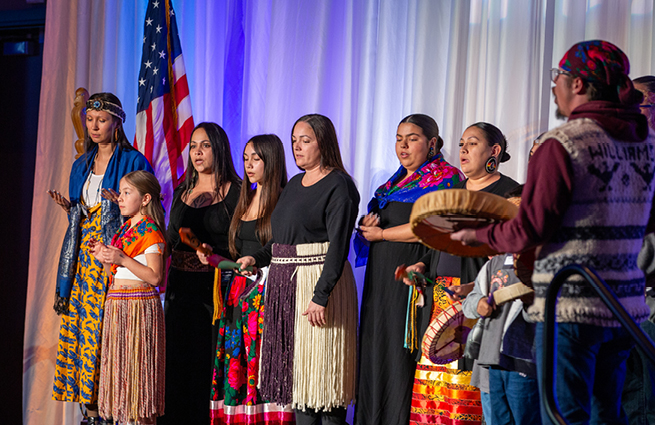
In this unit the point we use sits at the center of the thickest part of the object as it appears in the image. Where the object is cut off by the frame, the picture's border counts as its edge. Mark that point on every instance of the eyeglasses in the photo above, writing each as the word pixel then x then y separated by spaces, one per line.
pixel 646 105
pixel 556 72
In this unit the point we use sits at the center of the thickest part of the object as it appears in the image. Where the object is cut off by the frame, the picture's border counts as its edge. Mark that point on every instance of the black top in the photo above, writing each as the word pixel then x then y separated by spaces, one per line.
pixel 247 242
pixel 210 224
pixel 324 211
pixel 500 187
pixel 472 265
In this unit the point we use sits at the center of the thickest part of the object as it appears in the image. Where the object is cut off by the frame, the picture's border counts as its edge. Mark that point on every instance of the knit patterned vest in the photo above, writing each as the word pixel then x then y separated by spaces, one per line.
pixel 603 228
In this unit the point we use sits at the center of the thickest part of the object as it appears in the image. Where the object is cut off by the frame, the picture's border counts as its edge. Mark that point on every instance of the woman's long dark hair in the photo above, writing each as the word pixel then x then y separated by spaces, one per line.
pixel 494 137
pixel 121 140
pixel 222 166
pixel 270 150
pixel 326 136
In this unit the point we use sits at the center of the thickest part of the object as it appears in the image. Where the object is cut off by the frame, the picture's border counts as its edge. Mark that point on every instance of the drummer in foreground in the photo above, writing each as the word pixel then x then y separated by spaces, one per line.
pixel 587 199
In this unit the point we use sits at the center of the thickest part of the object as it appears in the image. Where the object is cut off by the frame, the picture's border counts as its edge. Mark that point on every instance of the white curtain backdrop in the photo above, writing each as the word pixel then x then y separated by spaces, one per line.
pixel 255 66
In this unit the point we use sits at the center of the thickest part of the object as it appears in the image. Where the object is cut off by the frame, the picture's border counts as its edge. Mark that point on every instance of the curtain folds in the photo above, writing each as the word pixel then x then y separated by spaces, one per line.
pixel 255 66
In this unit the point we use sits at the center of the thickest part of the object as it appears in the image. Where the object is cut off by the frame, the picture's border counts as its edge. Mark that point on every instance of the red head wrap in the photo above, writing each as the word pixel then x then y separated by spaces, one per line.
pixel 601 61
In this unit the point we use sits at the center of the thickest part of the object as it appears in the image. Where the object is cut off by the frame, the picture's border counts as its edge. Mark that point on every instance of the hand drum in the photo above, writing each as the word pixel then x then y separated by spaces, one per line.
pixel 438 214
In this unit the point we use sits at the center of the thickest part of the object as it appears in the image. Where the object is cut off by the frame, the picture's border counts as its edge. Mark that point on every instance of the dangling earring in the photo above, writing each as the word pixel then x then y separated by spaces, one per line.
pixel 491 165
pixel 430 152
pixel 116 135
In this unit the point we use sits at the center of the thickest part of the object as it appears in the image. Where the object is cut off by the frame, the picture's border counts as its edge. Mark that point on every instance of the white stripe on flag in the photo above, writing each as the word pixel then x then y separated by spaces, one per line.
pixel 183 112
pixel 160 161
pixel 141 130
pixel 178 68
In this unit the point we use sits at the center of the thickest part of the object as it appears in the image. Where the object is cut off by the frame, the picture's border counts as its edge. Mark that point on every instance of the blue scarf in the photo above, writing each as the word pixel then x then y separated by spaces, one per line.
pixel 122 161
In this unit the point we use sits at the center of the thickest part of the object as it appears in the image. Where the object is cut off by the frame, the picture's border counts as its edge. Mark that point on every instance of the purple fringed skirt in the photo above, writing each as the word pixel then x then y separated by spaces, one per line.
pixel 303 365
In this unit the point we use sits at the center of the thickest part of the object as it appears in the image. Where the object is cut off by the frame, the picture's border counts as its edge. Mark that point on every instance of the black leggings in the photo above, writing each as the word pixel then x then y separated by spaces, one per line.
pixel 337 416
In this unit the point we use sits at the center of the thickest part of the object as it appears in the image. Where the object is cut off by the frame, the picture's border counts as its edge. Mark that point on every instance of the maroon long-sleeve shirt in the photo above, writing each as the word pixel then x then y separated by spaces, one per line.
pixel 548 188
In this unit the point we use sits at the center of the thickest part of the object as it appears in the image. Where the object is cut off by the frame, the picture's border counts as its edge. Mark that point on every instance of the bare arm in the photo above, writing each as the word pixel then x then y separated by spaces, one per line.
pixel 402 233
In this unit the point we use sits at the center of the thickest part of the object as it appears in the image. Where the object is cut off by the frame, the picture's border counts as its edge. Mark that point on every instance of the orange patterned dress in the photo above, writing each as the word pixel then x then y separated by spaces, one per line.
pixel 442 394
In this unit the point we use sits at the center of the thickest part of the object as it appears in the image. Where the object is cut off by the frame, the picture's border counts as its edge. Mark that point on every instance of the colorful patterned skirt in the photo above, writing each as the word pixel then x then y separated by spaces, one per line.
pixel 308 366
pixel 235 399
pixel 132 373
pixel 442 393
pixel 77 370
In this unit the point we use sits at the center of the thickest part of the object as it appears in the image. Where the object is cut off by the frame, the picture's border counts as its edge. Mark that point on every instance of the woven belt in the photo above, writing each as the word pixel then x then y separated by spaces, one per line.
pixel 188 262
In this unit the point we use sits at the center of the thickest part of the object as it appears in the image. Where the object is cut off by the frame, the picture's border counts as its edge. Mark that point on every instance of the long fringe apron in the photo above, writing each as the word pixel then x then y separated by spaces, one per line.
pixel 77 370
pixel 307 366
pixel 133 361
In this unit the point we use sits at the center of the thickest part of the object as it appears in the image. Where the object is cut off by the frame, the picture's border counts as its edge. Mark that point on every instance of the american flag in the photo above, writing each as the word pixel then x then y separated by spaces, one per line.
pixel 164 121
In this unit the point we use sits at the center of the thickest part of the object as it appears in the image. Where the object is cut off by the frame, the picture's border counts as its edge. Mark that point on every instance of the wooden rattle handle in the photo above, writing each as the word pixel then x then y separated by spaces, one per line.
pixel 187 237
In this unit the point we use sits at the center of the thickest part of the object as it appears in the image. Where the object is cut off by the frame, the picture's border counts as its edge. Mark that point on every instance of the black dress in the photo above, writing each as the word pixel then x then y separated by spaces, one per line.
pixel 190 335
pixel 386 375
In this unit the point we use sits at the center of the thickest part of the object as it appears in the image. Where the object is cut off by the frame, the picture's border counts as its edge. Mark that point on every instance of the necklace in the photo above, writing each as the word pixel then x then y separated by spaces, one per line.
pixel 88 185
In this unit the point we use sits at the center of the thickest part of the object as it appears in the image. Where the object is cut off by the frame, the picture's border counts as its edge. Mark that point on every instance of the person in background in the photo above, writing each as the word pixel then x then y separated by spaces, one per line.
pixel 81 285
pixel 505 367
pixel 205 203
pixel 587 200
pixel 387 364
pixel 639 389
pixel 646 85
pixel 535 146
pixel 309 346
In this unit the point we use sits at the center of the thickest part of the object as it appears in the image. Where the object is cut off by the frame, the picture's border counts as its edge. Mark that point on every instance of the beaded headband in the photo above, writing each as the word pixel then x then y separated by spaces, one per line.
pixel 102 105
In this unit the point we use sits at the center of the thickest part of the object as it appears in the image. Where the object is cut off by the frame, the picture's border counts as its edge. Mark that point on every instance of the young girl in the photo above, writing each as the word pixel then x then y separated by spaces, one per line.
pixel 132 362
pixel 234 395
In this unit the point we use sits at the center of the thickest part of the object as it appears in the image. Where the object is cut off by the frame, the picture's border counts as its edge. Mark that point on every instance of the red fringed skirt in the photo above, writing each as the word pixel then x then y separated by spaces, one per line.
pixel 132 356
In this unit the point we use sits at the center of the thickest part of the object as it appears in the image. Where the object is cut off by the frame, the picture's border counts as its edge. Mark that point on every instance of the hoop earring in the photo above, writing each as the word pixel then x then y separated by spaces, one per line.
pixel 491 165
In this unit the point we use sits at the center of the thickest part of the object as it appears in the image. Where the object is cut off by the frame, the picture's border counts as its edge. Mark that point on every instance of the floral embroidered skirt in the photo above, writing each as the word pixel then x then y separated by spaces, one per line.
pixel 234 397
